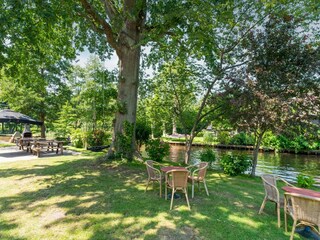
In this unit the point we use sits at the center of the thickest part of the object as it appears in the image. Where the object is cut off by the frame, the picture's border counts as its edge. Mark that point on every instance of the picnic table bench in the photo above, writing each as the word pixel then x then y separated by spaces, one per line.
pixel 36 146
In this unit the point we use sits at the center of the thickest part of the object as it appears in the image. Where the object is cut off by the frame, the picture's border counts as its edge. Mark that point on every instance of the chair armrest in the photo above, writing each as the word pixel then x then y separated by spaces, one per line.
pixel 274 187
pixel 192 166
pixel 198 169
pixel 288 184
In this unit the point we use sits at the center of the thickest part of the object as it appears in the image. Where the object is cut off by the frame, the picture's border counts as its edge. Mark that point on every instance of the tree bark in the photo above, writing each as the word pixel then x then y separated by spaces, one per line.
pixel 127 94
pixel 125 41
pixel 255 154
pixel 189 141
pixel 174 126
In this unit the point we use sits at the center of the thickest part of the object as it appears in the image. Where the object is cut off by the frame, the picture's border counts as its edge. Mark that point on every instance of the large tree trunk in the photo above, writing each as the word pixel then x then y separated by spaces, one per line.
pixel 255 154
pixel 127 96
pixel 174 126
pixel 125 41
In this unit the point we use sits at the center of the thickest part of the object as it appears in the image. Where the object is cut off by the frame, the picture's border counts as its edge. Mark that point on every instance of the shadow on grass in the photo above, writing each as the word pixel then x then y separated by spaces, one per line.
pixel 4 227
pixel 108 202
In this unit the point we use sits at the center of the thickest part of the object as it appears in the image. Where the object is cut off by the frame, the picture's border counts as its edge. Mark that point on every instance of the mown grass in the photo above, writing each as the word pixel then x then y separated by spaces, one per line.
pixel 3 144
pixel 74 197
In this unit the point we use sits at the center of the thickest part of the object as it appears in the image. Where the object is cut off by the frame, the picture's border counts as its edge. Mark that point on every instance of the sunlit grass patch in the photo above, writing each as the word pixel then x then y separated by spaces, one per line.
pixel 74 197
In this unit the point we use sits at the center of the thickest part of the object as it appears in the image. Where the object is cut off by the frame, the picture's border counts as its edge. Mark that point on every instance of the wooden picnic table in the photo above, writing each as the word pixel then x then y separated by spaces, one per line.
pixel 36 145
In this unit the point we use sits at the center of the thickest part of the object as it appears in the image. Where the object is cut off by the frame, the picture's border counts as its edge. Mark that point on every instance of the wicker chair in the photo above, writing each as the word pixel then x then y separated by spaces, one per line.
pixel 272 193
pixel 198 175
pixel 154 175
pixel 304 209
pixel 177 179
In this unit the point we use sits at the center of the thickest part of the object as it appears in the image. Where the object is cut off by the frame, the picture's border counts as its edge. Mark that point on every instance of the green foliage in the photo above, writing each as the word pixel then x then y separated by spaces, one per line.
pixel 97 137
pixel 242 139
pixel 305 181
pixel 201 134
pixel 208 155
pixel 223 137
pixel 66 121
pixel 123 142
pixel 143 132
pixel 298 143
pixel 270 140
pixel 234 165
pixel 208 137
pixel 77 138
pixel 157 149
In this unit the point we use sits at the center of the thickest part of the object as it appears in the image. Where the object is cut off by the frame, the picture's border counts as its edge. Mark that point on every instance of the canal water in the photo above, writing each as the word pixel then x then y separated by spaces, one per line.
pixel 286 165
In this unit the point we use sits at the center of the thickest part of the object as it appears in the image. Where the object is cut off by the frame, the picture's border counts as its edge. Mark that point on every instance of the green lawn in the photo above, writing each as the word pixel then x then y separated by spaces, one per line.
pixel 73 197
pixel 2 144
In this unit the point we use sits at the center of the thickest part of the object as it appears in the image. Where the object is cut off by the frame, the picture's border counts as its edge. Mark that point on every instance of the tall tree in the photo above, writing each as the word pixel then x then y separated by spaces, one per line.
pixel 214 36
pixel 34 52
pixel 280 85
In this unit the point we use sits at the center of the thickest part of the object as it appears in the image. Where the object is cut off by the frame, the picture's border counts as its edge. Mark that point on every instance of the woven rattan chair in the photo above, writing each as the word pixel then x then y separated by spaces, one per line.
pixel 177 179
pixel 303 209
pixel 154 174
pixel 272 193
pixel 198 175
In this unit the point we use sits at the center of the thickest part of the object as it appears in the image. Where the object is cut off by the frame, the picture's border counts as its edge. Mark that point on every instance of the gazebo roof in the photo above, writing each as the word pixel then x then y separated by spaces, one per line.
pixel 8 115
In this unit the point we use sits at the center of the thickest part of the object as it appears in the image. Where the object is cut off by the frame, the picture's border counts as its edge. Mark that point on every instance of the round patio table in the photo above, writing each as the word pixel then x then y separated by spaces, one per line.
pixel 302 191
pixel 169 168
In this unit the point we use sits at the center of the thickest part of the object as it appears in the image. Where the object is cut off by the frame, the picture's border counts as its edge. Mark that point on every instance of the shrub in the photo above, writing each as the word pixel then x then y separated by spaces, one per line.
pixel 208 137
pixel 157 149
pixel 143 131
pixel 201 134
pixel 97 137
pixel 270 140
pixel 299 143
pixel 305 181
pixel 242 139
pixel 77 138
pixel 284 142
pixel 208 155
pixel 234 165
pixel 223 137
pixel 123 142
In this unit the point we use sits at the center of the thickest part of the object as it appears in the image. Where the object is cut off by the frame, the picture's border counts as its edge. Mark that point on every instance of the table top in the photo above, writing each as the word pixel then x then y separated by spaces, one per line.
pixel 169 168
pixel 302 191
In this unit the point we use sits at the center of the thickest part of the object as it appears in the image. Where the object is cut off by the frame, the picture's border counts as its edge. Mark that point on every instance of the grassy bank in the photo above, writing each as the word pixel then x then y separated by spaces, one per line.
pixel 73 197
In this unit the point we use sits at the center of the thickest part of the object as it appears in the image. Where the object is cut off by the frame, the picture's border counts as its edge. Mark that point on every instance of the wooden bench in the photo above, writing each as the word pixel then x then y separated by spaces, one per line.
pixel 36 151
pixel 47 146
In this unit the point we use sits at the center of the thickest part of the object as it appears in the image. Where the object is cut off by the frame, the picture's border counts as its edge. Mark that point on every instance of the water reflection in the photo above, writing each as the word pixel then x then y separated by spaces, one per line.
pixel 285 165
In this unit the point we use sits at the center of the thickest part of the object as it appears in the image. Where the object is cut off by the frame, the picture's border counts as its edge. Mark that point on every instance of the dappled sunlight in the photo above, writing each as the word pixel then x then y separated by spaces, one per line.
pixel 200 216
pixel 120 190
pixel 223 209
pixel 244 220
pixel 91 201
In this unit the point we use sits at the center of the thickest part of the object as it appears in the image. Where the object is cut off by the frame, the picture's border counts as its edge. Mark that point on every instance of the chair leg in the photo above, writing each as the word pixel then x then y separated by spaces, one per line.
pixel 205 186
pixel 147 185
pixel 165 191
pixel 173 191
pixel 192 194
pixel 186 194
pixel 160 183
pixel 285 221
pixel 278 213
pixel 293 228
pixel 263 204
